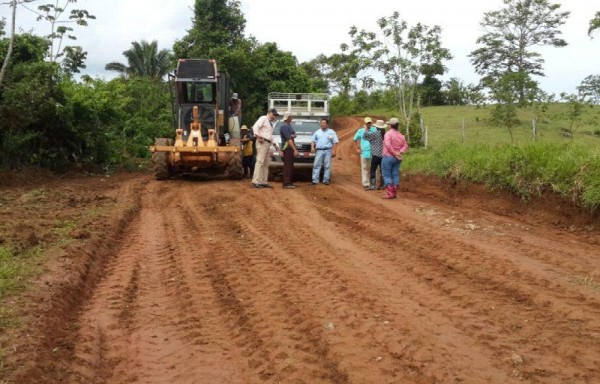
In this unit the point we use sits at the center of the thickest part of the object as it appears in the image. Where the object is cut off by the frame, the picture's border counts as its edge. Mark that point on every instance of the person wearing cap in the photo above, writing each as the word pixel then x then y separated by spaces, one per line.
pixel 247 151
pixel 376 141
pixel 394 147
pixel 323 144
pixel 288 147
pixel 364 149
pixel 263 131
pixel 235 107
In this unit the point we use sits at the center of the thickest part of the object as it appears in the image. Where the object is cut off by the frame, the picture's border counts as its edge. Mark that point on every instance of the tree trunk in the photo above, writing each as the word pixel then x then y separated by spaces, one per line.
pixel 11 43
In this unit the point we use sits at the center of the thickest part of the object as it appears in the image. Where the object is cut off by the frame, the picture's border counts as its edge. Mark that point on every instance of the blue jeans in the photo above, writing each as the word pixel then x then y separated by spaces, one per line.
pixel 390 167
pixel 322 159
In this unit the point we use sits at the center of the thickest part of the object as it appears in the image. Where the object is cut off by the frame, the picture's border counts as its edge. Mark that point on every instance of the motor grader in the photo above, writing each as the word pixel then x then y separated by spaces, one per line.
pixel 203 145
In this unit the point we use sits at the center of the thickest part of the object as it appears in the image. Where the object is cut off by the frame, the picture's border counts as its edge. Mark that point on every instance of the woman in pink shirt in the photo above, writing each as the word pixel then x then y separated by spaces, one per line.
pixel 394 147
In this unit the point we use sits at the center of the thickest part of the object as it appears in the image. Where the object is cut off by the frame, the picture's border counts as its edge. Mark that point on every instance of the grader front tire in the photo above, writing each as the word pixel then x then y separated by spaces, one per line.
pixel 160 161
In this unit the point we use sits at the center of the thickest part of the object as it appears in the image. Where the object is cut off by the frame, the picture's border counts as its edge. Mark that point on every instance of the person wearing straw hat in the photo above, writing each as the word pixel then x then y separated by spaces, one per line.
pixel 376 141
pixel 247 151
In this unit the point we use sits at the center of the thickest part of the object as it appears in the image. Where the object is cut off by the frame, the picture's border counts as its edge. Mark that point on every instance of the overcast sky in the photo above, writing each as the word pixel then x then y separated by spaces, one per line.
pixel 310 27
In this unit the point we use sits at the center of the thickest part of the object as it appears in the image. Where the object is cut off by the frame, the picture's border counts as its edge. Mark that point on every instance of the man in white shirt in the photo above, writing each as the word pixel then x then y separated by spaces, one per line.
pixel 263 131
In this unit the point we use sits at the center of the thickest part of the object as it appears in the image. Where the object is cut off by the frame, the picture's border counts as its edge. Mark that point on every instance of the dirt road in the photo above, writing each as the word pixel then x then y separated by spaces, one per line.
pixel 216 282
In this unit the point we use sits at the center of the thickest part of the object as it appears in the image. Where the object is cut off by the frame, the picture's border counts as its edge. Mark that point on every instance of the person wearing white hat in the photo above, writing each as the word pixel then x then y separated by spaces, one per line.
pixel 235 107
pixel 263 131
pixel 364 149
pixel 376 141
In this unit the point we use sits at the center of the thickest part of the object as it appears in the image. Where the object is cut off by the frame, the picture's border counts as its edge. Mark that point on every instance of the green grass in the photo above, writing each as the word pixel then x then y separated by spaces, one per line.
pixel 445 125
pixel 63 229
pixel 485 154
pixel 15 270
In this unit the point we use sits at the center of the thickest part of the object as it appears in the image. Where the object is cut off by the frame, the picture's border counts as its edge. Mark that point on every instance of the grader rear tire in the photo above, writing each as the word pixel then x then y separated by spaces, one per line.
pixel 234 168
pixel 160 161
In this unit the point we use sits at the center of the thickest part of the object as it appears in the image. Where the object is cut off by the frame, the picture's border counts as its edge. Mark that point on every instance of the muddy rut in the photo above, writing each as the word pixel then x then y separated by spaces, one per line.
pixel 216 282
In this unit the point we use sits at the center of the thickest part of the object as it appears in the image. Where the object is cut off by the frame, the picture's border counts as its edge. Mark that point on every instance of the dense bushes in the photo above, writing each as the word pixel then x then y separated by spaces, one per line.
pixel 568 169
pixel 47 119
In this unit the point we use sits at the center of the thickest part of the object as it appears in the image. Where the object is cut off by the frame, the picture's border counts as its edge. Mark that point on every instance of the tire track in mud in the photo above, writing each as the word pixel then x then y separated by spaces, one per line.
pixel 149 329
pixel 309 270
pixel 455 265
pixel 272 332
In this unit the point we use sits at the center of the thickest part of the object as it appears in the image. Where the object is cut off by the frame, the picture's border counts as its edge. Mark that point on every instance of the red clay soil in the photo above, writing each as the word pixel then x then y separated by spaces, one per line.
pixel 217 282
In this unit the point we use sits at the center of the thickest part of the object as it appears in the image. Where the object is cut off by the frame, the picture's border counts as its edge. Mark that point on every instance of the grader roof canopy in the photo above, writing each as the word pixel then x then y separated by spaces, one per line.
pixel 196 70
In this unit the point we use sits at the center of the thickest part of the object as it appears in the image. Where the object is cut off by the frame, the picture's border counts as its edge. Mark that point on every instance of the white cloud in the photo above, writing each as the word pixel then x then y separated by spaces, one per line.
pixel 311 27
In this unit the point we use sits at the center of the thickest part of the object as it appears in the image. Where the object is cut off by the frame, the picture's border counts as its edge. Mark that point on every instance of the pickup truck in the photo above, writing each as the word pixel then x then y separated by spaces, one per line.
pixel 307 111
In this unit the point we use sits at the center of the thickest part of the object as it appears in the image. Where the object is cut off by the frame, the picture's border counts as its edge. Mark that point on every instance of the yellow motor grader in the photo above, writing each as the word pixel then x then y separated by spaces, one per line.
pixel 202 144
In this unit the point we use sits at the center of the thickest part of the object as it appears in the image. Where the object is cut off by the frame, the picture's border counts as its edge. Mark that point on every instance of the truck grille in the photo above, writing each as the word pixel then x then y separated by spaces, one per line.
pixel 303 147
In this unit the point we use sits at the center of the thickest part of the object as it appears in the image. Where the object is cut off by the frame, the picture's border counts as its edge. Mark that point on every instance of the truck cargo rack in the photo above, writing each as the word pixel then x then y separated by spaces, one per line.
pixel 300 104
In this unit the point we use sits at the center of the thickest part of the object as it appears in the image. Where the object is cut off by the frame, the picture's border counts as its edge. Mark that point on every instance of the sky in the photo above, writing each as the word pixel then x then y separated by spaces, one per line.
pixel 311 27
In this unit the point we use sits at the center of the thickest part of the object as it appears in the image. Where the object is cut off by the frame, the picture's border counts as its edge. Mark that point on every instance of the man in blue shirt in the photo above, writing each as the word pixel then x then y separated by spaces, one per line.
pixel 323 144
pixel 364 149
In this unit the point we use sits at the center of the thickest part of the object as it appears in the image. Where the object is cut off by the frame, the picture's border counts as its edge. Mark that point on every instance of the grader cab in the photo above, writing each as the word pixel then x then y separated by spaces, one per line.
pixel 202 145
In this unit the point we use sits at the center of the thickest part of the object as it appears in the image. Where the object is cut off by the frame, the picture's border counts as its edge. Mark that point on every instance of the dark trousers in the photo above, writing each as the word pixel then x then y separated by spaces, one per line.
pixel 375 163
pixel 288 166
pixel 248 165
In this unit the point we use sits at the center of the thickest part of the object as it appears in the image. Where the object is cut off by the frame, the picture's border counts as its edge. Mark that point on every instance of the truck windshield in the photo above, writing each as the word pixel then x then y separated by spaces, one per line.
pixel 302 127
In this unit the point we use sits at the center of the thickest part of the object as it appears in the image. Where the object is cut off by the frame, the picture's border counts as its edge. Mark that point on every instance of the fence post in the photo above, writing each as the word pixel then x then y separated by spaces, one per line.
pixel 422 126
pixel 463 130
pixel 533 129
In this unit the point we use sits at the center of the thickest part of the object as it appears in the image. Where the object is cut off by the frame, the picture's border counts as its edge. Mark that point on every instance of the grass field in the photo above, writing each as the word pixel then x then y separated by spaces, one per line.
pixel 483 152
pixel 445 125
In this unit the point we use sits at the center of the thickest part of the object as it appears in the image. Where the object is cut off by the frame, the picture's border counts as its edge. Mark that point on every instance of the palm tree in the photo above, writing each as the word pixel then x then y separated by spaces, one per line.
pixel 144 59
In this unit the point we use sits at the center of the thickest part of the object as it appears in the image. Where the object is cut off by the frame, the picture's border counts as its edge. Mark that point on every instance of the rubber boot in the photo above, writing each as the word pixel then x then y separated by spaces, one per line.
pixel 389 192
pixel 395 190
pixel 372 187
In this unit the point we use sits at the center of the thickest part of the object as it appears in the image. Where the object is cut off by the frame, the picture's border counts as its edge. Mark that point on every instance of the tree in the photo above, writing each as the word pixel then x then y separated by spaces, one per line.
pixel 594 24
pixel 342 70
pixel 74 59
pixel 216 24
pixel 575 107
pixel 52 13
pixel 590 88
pixel 505 92
pixel 431 91
pixel 511 33
pixel 455 92
pixel 144 59
pixel 318 81
pixel 401 55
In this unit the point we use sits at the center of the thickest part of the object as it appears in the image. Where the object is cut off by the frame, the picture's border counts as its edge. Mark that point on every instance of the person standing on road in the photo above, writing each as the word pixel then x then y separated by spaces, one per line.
pixel 323 144
pixel 289 150
pixel 263 130
pixel 235 107
pixel 394 147
pixel 247 151
pixel 375 139
pixel 364 150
